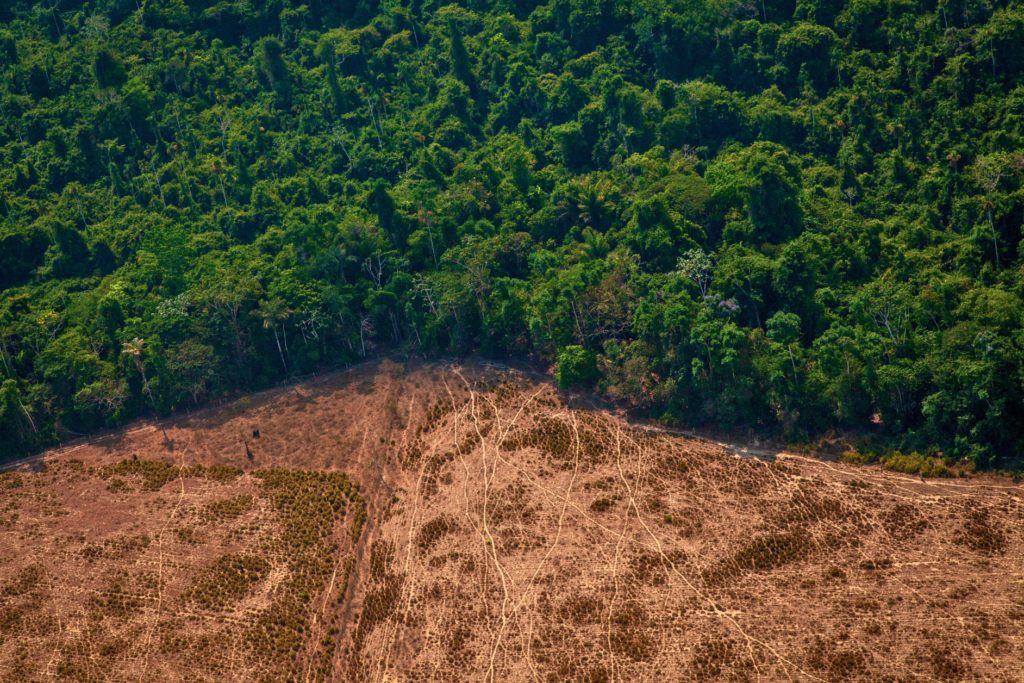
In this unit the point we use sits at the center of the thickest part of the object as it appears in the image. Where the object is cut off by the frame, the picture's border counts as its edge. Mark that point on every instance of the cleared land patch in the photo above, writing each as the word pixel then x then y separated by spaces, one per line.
pixel 497 534
pixel 178 574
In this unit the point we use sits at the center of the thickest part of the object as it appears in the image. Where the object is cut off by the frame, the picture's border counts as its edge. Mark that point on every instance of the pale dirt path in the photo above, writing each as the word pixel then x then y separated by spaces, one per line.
pixel 410 585
pixel 59 646
pixel 529 591
pixel 468 477
pixel 490 547
pixel 160 564
pixel 707 598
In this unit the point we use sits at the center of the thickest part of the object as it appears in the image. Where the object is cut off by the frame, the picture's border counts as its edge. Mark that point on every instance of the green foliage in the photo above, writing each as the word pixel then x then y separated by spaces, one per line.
pixel 802 220
pixel 915 463
pixel 576 366
pixel 108 69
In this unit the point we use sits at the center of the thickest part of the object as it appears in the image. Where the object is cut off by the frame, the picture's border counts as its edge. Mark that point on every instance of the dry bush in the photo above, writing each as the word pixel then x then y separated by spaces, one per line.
pixel 433 531
pixel 229 579
pixel 903 522
pixel 979 533
pixel 227 509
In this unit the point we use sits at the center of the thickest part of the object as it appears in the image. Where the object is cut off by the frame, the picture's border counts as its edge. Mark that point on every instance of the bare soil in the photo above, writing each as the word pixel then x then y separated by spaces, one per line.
pixel 463 523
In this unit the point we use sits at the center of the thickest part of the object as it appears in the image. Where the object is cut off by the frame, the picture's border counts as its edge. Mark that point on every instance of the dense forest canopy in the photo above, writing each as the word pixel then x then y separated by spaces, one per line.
pixel 794 216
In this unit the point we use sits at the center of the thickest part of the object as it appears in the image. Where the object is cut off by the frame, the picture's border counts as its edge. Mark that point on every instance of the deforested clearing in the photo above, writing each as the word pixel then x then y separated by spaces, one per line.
pixel 428 522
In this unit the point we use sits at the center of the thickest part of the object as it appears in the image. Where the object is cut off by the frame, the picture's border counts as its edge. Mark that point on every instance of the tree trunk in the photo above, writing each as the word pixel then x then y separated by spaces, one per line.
pixel 146 382
pixel 276 339
pixel 3 352
pixel 394 326
pixel 29 416
pixel 995 242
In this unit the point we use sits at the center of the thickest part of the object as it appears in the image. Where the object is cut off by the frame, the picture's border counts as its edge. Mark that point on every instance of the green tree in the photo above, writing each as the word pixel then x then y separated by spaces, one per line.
pixel 576 366
pixel 108 69
pixel 272 313
pixel 784 329
pixel 133 349
pixel 459 56
pixel 272 54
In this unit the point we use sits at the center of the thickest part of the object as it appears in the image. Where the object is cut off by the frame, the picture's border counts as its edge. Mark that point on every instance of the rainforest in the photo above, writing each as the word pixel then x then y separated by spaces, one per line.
pixel 794 218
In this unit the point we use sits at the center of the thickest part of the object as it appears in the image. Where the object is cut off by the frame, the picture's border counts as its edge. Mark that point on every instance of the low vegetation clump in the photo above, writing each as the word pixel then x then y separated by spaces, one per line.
pixel 118 485
pixel 228 580
pixel 27 579
pixel 119 599
pixel 433 531
pixel 435 416
pixel 156 474
pixel 10 480
pixel 979 532
pixel 915 463
pixel 346 574
pixel 903 522
pixel 582 609
pixel 765 553
pixel 556 439
pixel 227 509
pixel 947 666
pixel 309 503
pixel 836 662
pixel 379 604
pixel 711 657
pixel 808 507
pixel 188 536
pixel 309 506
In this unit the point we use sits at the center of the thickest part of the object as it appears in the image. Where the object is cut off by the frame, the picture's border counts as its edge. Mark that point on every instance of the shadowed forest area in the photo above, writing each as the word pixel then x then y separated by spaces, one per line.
pixel 789 216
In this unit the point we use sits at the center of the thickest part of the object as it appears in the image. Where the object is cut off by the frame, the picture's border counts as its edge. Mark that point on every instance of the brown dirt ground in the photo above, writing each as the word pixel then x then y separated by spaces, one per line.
pixel 508 537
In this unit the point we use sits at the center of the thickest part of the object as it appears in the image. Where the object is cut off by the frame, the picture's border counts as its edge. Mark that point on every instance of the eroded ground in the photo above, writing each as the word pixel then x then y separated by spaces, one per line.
pixel 506 537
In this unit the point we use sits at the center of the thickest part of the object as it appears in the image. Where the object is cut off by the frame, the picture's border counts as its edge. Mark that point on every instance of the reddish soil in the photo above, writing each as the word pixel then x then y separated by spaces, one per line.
pixel 507 537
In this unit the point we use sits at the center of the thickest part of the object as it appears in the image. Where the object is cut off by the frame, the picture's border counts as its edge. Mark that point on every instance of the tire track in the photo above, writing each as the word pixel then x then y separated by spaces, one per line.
pixel 160 563
pixel 706 598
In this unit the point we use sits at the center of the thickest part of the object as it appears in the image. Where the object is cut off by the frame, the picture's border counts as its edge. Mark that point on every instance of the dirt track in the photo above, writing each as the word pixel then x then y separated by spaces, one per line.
pixel 508 538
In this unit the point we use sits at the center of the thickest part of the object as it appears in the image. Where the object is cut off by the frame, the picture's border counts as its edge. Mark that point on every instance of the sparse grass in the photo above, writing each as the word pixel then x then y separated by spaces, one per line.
pixel 979 533
pixel 229 579
pixel 227 509
pixel 118 485
pixel 156 474
pixel 614 554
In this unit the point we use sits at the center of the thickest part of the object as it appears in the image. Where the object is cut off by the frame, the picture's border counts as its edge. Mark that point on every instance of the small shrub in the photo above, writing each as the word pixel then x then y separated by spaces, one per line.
pixel 915 463
pixel 229 579
pixel 979 534
pixel 118 485
pixel 433 531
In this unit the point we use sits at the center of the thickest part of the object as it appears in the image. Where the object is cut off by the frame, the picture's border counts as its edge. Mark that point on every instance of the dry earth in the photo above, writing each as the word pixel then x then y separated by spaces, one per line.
pixel 462 523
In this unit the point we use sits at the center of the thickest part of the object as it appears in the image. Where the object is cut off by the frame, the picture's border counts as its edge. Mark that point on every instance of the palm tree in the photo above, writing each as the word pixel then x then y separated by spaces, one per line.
pixel 592 202
pixel 273 312
pixel 134 349
pixel 988 171
pixel 595 246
